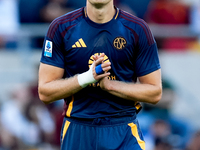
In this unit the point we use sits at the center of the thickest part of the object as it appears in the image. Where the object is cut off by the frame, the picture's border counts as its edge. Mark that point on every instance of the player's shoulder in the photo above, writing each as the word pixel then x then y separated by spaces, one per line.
pixel 136 25
pixel 65 21
pixel 69 17
pixel 132 20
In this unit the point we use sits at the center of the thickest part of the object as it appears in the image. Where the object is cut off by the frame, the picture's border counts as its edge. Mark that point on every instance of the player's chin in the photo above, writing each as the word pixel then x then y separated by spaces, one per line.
pixel 99 3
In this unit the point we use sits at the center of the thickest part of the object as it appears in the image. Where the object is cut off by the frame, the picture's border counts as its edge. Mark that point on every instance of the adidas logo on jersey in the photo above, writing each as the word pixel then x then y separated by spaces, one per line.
pixel 79 43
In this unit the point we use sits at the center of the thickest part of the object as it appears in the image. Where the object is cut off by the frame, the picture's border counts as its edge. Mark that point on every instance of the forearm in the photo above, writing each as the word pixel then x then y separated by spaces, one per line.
pixel 58 89
pixel 52 87
pixel 136 92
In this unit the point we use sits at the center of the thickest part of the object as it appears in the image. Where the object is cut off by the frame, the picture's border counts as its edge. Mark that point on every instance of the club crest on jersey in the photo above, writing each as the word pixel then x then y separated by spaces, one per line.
pixel 119 43
pixel 48 48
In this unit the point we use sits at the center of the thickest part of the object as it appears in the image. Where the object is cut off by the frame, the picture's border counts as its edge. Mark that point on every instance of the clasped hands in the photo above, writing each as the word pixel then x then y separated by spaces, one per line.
pixel 97 72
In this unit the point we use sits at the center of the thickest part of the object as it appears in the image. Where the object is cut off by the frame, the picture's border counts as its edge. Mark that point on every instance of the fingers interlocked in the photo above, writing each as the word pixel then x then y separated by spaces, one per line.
pixel 101 68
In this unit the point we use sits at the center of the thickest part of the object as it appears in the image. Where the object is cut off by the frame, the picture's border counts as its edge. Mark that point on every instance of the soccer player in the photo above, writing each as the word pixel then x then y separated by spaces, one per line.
pixel 92 58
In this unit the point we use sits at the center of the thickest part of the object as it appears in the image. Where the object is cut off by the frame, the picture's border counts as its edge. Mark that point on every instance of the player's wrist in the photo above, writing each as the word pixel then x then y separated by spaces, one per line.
pixel 86 78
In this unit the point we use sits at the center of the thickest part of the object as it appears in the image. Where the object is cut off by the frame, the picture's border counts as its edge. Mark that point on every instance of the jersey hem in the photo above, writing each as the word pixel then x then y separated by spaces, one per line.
pixel 103 122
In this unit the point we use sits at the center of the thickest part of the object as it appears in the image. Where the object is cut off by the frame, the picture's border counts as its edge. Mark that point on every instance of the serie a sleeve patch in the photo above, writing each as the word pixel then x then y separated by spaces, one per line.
pixel 48 48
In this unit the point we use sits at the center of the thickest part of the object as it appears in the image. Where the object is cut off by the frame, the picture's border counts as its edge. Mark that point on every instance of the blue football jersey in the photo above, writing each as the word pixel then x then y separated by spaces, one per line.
pixel 128 44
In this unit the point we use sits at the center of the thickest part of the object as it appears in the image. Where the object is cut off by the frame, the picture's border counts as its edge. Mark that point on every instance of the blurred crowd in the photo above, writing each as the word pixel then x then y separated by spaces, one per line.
pixel 28 124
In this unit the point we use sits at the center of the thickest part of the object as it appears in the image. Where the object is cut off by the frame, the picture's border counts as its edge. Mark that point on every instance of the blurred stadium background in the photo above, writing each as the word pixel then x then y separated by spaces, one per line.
pixel 28 124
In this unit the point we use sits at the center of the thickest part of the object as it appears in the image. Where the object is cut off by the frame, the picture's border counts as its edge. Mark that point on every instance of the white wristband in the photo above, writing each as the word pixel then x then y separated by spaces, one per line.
pixel 86 78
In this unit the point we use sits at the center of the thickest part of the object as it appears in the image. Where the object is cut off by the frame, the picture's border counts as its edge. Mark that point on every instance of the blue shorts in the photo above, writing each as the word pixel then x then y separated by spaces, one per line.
pixel 102 134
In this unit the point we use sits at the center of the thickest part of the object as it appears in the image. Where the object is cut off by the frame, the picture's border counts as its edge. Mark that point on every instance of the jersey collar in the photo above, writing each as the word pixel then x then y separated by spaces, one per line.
pixel 115 16
pixel 103 24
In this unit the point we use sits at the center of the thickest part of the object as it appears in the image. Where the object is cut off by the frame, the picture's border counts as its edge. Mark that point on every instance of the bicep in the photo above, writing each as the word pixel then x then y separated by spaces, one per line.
pixel 153 78
pixel 48 73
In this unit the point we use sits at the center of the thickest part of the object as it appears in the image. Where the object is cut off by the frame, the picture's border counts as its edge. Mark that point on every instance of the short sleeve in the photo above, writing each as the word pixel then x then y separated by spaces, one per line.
pixel 53 49
pixel 147 59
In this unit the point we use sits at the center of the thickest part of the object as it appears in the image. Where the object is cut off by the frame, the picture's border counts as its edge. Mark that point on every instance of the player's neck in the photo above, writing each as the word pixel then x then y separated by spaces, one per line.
pixel 100 14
